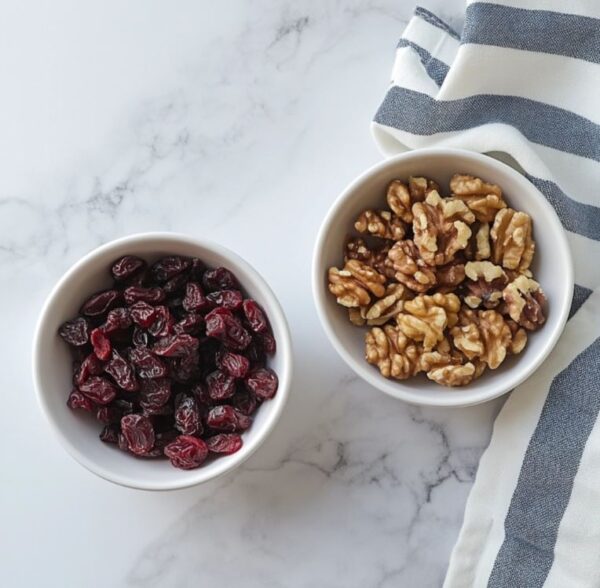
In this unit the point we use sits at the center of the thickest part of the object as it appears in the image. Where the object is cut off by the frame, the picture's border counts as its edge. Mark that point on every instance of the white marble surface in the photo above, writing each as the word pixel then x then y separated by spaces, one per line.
pixel 239 121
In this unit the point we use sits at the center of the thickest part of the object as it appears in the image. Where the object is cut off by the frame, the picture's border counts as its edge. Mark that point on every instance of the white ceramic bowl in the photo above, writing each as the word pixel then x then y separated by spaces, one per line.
pixel 52 363
pixel 552 267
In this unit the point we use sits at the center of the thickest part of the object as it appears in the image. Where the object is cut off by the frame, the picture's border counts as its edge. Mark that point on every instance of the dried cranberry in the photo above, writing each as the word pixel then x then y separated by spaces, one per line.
pixel 101 344
pixel 185 368
pixel 142 314
pixel 229 299
pixel 91 366
pixel 255 352
pixel 125 267
pixel 146 365
pixel 227 418
pixel 186 452
pixel 267 342
pixel 225 327
pixel 255 316
pixel 122 372
pixel 194 298
pixel 124 406
pixel 162 324
pixel 155 393
pixel 244 401
pixel 198 268
pixel 100 303
pixel 157 411
pixel 78 400
pixel 187 416
pixel 234 364
pixel 225 443
pixel 219 279
pixel 168 267
pixel 200 392
pixel 135 294
pixel 139 337
pixel 220 385
pixel 109 434
pixel 108 414
pixel 116 320
pixel 99 390
pixel 138 433
pixel 175 345
pixel 175 284
pixel 75 332
pixel 191 324
pixel 263 382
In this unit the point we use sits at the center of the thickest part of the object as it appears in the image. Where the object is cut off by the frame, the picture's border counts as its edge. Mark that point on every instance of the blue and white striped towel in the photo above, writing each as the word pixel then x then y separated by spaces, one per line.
pixel 523 79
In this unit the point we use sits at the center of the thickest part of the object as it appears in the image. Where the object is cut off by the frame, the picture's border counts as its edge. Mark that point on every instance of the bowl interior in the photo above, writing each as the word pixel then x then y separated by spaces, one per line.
pixel 52 363
pixel 552 269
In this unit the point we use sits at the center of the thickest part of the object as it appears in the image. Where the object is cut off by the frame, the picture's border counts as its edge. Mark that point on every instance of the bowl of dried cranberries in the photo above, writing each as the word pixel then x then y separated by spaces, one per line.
pixel 162 361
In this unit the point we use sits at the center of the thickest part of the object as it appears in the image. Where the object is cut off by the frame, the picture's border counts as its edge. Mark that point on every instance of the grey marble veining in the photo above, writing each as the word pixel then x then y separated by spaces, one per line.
pixel 239 121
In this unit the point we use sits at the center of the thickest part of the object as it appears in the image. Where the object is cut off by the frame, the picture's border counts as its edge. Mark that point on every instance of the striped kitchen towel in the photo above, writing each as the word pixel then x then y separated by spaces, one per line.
pixel 523 80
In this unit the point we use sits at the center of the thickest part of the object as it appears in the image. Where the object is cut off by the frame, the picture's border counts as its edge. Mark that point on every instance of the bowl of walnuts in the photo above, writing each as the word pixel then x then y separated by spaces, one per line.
pixel 442 277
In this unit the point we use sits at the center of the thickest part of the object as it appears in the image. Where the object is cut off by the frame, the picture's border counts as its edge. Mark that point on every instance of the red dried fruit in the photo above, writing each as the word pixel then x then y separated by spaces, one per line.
pixel 168 267
pixel 155 393
pixel 227 418
pixel 146 365
pixel 229 299
pixel 117 319
pixel 263 382
pixel 75 332
pixel 100 303
pixel 142 314
pixel 175 345
pixel 78 400
pixel 109 434
pixel 108 414
pixel 139 337
pixel 187 416
pixel 194 298
pixel 245 402
pixel 200 392
pixel 234 364
pixel 135 294
pixel 197 270
pixel 219 279
pixel 220 385
pixel 225 327
pixel 185 368
pixel 186 452
pixel 138 433
pixel 98 390
pixel 267 342
pixel 255 316
pixel 127 266
pixel 122 372
pixel 122 442
pixel 91 366
pixel 163 322
pixel 175 284
pixel 191 324
pixel 224 443
pixel 101 344
pixel 255 352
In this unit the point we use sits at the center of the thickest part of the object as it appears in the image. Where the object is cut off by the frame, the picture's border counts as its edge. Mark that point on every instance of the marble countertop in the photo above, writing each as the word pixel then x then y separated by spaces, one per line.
pixel 239 121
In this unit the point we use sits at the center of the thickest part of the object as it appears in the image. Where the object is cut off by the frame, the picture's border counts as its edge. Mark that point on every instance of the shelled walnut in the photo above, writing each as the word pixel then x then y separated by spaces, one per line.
pixel 443 283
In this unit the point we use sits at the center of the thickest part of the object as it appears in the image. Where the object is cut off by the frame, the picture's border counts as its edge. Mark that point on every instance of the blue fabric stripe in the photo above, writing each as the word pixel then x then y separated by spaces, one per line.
pixel 436 21
pixel 533 30
pixel 435 68
pixel 541 123
pixel 580 295
pixel 583 219
pixel 547 474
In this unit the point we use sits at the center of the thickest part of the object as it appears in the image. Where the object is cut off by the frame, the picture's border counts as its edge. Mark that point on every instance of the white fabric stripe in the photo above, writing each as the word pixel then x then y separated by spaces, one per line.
pixel 586 259
pixel 409 72
pixel 577 7
pixel 482 533
pixel 559 73
pixel 433 39
pixel 536 159
pixel 576 553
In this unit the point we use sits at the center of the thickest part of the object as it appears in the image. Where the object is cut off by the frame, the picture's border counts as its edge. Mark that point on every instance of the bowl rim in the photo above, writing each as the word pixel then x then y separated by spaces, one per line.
pixel 284 349
pixel 401 390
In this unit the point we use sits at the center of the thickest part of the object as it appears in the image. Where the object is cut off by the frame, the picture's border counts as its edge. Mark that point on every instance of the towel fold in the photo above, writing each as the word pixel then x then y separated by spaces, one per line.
pixel 522 80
